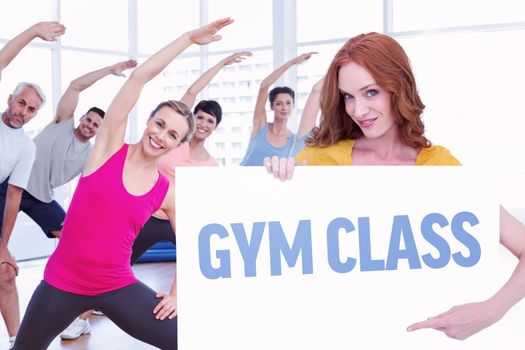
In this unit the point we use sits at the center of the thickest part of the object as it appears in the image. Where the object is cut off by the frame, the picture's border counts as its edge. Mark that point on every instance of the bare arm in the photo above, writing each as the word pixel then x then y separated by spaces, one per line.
pixel 12 206
pixel 167 307
pixel 191 94
pixel 460 322
pixel 170 212
pixel 69 100
pixel 283 168
pixel 111 135
pixel 259 115
pixel 48 31
pixel 512 236
pixel 310 110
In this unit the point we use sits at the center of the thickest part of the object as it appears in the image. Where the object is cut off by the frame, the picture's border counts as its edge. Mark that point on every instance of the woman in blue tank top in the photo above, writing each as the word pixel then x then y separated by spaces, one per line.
pixel 274 138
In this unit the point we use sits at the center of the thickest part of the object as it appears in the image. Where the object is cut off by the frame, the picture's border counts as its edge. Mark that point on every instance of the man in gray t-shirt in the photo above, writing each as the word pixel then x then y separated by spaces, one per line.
pixel 61 151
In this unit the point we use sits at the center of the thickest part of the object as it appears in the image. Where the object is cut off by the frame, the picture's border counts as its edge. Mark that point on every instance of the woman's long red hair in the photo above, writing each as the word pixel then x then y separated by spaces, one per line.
pixel 389 65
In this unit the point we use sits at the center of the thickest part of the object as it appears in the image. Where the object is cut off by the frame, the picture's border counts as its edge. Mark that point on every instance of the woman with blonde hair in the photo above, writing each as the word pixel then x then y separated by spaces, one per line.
pixel 118 191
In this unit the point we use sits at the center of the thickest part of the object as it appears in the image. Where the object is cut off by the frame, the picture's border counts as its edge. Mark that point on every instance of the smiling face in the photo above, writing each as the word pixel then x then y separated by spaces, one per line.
pixel 21 108
pixel 368 104
pixel 205 124
pixel 88 126
pixel 282 106
pixel 165 131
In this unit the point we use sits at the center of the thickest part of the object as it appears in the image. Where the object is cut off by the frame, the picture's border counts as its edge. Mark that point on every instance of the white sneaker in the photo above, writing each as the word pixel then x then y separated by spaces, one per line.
pixel 77 328
pixel 11 342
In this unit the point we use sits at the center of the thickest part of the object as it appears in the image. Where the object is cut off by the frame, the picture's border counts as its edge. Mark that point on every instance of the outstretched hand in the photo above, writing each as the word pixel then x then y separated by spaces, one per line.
pixel 208 33
pixel 236 57
pixel 49 31
pixel 305 56
pixel 118 68
pixel 460 322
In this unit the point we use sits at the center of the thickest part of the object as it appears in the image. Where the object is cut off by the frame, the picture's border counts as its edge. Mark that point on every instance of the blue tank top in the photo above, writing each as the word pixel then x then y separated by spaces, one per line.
pixel 259 147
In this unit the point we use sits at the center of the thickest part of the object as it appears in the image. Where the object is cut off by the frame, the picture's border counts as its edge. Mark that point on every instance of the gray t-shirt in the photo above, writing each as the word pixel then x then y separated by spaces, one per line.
pixel 60 156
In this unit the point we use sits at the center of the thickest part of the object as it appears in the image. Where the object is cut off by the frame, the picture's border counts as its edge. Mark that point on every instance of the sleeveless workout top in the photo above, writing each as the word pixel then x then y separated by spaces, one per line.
pixel 259 147
pixel 103 220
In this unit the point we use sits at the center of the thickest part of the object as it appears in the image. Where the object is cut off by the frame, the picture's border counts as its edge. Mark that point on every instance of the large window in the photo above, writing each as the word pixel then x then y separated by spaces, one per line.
pixel 159 21
pixel 409 15
pixel 100 94
pixel 96 24
pixel 171 84
pixel 333 19
pixel 16 16
pixel 466 56
pixel 252 26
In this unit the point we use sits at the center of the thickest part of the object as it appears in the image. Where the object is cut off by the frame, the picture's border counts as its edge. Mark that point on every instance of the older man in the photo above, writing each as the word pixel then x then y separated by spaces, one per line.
pixel 16 159
pixel 61 151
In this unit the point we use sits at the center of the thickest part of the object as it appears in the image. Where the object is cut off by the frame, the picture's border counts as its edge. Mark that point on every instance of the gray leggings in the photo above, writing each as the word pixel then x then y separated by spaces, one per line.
pixel 51 310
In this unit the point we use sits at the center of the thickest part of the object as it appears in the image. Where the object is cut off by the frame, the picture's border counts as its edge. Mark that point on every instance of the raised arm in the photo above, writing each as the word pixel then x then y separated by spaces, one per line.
pixel 191 94
pixel 259 115
pixel 69 100
pixel 111 135
pixel 283 168
pixel 310 110
pixel 460 322
pixel 48 31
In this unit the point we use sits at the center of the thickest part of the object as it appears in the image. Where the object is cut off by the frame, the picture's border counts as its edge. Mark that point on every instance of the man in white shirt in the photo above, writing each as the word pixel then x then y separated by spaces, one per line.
pixel 16 159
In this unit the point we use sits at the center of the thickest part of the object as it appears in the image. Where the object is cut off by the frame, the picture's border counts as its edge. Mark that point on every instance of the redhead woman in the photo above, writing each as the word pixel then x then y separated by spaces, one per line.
pixel 371 115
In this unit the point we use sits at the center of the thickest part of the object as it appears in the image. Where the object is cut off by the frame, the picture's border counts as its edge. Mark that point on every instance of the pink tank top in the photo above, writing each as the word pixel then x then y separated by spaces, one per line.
pixel 103 220
pixel 178 157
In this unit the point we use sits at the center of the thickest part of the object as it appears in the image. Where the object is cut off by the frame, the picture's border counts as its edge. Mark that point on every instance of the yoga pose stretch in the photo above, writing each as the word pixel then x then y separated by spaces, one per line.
pixel 208 115
pixel 15 165
pixel 274 138
pixel 118 191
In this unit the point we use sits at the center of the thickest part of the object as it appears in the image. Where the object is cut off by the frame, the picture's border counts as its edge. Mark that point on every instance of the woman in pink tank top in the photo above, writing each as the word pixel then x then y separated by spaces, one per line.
pixel 208 115
pixel 119 190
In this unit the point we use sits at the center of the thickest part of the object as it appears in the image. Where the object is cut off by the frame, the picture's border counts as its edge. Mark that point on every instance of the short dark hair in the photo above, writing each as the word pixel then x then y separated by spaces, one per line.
pixel 211 107
pixel 97 110
pixel 280 90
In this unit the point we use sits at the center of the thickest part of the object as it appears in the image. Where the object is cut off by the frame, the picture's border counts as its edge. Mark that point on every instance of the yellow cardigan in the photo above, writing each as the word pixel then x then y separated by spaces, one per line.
pixel 340 154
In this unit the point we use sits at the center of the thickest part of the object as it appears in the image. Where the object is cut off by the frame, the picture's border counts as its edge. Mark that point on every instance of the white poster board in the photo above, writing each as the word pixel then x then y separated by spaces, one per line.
pixel 336 258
